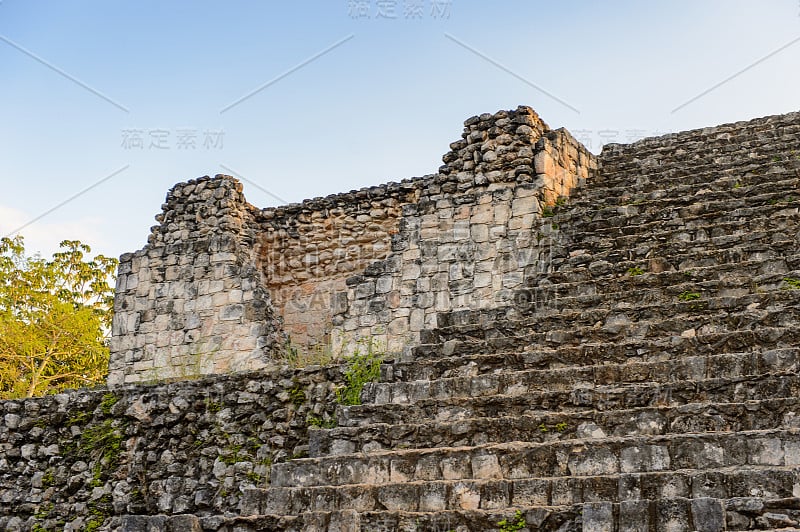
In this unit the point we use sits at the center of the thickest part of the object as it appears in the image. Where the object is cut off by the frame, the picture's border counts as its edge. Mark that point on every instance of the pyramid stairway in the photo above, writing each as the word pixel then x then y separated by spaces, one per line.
pixel 649 383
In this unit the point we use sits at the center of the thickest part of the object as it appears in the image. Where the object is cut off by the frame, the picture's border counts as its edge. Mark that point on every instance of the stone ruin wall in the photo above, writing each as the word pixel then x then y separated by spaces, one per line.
pixel 223 286
pixel 189 447
pixel 193 301
pixel 470 238
pixel 197 446
pixel 309 250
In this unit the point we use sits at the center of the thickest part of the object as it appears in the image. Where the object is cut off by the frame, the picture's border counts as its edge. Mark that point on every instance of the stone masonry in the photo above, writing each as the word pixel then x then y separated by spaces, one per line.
pixel 637 367
pixel 193 301
pixel 83 459
pixel 223 286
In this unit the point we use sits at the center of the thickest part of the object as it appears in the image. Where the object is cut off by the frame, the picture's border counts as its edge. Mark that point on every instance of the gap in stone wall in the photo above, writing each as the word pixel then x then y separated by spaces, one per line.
pixel 308 253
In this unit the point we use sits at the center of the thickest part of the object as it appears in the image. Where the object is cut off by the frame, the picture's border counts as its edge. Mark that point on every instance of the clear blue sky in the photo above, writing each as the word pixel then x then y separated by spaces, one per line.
pixel 364 98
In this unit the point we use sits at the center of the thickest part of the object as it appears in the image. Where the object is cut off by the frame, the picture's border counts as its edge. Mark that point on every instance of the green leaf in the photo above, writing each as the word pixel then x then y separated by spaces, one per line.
pixel 55 317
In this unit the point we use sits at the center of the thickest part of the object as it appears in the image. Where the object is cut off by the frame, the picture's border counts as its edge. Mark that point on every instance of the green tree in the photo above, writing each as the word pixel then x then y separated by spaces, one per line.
pixel 55 318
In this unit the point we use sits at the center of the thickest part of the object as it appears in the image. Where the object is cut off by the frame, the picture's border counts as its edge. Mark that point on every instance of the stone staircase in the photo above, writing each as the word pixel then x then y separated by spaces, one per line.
pixel 648 380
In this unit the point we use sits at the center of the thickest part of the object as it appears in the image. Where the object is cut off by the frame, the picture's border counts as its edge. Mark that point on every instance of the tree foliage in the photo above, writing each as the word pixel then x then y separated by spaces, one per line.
pixel 55 317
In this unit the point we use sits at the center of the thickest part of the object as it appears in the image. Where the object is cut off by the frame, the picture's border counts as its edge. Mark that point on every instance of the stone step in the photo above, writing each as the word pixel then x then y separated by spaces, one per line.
pixel 649 177
pixel 617 360
pixel 700 211
pixel 522 349
pixel 668 318
pixel 651 160
pixel 610 187
pixel 739 240
pixel 342 521
pixel 562 518
pixel 739 180
pixel 738 135
pixel 701 514
pixel 571 458
pixel 601 398
pixel 621 293
pixel 772 482
pixel 521 381
pixel 692 148
pixel 577 263
pixel 705 232
pixel 545 427
pixel 633 284
pixel 675 152
pixel 684 188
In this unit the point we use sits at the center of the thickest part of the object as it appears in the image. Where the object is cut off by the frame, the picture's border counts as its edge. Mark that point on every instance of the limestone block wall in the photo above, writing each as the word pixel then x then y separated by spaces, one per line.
pixel 470 238
pixel 223 286
pixel 309 250
pixel 193 300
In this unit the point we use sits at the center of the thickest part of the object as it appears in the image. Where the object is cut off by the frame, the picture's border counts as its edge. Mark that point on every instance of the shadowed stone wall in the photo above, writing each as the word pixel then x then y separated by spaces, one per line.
pixel 469 239
pixel 309 250
pixel 193 300
pixel 81 459
pixel 223 286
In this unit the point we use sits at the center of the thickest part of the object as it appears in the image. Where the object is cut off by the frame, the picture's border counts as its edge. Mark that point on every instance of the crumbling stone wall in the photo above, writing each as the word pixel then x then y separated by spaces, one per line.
pixel 469 239
pixel 382 261
pixel 81 459
pixel 309 250
pixel 223 286
pixel 193 301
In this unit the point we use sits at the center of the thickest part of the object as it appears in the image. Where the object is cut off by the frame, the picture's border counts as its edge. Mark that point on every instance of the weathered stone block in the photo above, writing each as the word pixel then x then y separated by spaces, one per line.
pixel 598 517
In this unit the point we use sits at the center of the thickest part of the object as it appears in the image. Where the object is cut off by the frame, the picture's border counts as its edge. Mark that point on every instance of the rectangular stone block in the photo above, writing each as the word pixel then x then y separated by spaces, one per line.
pixel 531 492
pixel 464 496
pixel 486 467
pixel 399 497
pixel 433 498
pixel 673 515
pixel 708 515
pixel 598 517
pixel 634 516
pixel 495 496
pixel 456 468
pixel 766 451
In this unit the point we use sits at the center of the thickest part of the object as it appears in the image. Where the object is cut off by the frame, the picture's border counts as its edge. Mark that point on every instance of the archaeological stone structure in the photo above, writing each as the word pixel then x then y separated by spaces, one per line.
pixel 568 341
pixel 223 286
